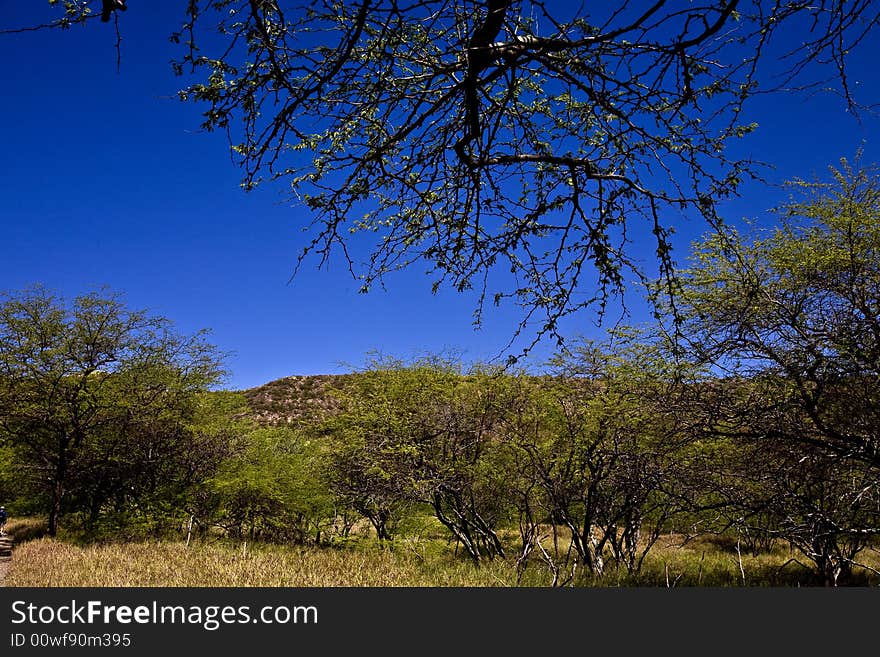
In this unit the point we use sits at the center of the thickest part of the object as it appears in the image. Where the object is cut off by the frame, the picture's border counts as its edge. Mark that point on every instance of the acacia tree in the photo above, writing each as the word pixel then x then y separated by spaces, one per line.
pixel 797 311
pixel 791 321
pixel 95 383
pixel 383 417
pixel 275 486
pixel 424 434
pixel 603 456
pixel 512 146
pixel 150 464
pixel 825 507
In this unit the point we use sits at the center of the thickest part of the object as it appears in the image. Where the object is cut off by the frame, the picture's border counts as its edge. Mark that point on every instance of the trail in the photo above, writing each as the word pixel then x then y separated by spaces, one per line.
pixel 5 557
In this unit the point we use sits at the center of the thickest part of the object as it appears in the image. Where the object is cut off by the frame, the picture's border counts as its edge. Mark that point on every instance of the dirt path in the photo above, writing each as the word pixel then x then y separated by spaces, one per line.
pixel 5 557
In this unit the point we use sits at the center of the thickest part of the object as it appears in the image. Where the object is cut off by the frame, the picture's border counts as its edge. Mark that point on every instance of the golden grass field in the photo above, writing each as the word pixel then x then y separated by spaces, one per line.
pixel 45 562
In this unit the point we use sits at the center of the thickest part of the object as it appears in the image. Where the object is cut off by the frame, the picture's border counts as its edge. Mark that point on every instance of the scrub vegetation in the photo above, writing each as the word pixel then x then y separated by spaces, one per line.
pixel 738 446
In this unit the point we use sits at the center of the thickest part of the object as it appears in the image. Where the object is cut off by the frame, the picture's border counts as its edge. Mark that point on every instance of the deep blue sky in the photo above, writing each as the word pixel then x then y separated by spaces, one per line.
pixel 106 180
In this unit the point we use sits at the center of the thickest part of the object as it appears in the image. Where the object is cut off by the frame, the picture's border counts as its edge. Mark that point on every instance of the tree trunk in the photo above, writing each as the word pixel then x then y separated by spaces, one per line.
pixel 55 509
pixel 58 485
pixel 379 520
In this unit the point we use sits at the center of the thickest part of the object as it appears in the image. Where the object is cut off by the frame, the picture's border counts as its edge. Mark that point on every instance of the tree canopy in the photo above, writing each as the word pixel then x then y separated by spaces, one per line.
pixel 797 310
pixel 788 320
pixel 517 148
pixel 102 403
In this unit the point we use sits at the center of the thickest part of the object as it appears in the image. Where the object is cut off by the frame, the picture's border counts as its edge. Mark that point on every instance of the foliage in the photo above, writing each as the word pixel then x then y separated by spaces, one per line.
pixel 754 434
pixel 800 308
pixel 275 487
pixel 423 434
pixel 100 402
pixel 520 148
pixel 487 138
pixel 792 320
pixel 600 450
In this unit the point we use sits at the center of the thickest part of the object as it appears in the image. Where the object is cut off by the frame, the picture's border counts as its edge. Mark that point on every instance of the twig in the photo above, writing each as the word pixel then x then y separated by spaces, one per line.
pixel 62 23
pixel 739 560
pixel 118 41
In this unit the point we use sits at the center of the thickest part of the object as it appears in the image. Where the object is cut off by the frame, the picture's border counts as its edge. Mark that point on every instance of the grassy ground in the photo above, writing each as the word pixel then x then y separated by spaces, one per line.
pixel 46 562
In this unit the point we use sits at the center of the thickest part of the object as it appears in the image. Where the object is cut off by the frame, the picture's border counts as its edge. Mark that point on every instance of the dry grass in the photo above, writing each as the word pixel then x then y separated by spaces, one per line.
pixel 26 529
pixel 47 562
pixel 707 561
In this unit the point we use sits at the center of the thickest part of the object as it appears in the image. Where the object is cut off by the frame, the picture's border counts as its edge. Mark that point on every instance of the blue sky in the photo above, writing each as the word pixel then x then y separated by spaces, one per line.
pixel 106 180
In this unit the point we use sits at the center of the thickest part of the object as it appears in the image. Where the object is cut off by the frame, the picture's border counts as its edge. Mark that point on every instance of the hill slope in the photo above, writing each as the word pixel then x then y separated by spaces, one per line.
pixel 296 398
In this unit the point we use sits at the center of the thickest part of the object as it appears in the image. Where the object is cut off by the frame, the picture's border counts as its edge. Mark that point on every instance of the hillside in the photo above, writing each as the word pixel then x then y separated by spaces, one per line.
pixel 296 398
pixel 299 398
